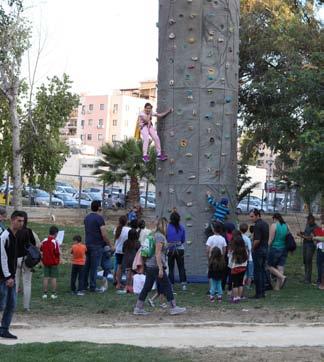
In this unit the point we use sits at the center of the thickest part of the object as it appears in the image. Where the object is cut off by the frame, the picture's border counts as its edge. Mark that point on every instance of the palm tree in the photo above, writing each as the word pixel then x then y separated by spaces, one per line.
pixel 123 159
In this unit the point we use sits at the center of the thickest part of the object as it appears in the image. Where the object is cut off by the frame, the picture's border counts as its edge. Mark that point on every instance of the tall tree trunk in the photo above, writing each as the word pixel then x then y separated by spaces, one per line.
pixel 198 77
pixel 16 152
pixel 133 191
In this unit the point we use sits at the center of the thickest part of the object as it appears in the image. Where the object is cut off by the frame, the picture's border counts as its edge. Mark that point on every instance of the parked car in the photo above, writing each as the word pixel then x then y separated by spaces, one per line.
pixel 66 190
pixel 92 189
pixel 68 200
pixel 86 199
pixel 150 202
pixel 246 205
pixel 40 197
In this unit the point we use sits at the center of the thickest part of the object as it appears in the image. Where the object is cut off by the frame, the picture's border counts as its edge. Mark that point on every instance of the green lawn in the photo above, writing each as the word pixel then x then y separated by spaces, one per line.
pixel 67 352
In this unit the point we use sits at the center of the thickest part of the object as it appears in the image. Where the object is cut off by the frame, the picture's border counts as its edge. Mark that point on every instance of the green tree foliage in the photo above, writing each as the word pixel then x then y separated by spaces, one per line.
pixel 281 81
pixel 43 150
pixel 125 159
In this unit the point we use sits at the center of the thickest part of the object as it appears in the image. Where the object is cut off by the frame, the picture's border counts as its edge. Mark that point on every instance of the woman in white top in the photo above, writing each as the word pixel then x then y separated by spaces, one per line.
pixel 121 235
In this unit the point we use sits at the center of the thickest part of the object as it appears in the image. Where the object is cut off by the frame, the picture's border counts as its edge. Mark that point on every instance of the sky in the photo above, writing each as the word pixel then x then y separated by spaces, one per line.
pixel 100 44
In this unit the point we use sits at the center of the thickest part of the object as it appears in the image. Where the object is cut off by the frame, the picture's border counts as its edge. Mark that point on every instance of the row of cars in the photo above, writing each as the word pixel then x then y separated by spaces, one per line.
pixel 252 202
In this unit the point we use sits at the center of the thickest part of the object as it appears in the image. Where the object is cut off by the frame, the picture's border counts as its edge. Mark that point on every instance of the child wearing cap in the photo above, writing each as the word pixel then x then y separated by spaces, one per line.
pixel 221 208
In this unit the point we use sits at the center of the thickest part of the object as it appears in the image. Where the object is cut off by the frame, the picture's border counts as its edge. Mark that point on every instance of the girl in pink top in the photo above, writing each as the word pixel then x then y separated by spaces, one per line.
pixel 147 129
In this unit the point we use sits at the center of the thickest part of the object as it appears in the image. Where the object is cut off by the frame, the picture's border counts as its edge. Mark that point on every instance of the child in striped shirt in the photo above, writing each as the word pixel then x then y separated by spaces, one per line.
pixel 221 208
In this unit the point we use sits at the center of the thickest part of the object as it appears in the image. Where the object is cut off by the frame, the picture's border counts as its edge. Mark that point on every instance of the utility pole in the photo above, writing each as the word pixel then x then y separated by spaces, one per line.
pixel 198 77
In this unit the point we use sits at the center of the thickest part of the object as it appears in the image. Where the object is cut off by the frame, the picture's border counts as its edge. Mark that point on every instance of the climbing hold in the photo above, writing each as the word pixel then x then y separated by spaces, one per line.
pixel 159 168
pixel 192 16
pixel 189 225
pixel 210 38
pixel 227 137
pixel 230 50
pixel 217 173
pixel 159 193
pixel 191 40
pixel 217 124
pixel 188 191
pixel 172 133
pixel 228 99
pixel 210 77
pixel 194 112
pixel 171 83
pixel 171 60
pixel 209 169
pixel 171 191
pixel 188 242
pixel 191 29
pixel 189 204
pixel 157 25
pixel 223 191
pixel 227 65
pixel 194 59
pixel 189 92
pixel 208 155
pixel 171 173
pixel 211 71
pixel 209 130
pixel 172 36
pixel 188 217
pixel 231 29
pixel 212 103
pixel 181 15
pixel 209 115
pixel 206 225
pixel 190 98
pixel 183 143
pixel 172 21
pixel 189 1
pixel 211 32
pixel 180 172
pixel 188 155
pixel 192 177
pixel 188 76
pixel 210 54
pixel 220 40
pixel 223 154
pixel 210 91
pixel 191 66
pixel 212 140
pixel 172 160
pixel 222 80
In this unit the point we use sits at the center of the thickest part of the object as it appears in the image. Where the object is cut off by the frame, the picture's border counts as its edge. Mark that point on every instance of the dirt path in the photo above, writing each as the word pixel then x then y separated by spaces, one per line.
pixel 179 336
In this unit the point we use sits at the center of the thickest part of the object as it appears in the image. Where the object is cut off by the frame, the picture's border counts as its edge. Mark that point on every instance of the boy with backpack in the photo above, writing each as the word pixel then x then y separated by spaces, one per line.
pixel 51 259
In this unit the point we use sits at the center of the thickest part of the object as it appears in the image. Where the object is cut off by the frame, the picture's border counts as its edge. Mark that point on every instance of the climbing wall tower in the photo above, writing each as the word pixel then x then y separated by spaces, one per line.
pixel 198 77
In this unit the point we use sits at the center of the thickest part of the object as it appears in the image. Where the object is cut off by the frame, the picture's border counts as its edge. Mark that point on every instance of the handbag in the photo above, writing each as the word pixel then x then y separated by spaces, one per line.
pixel 290 242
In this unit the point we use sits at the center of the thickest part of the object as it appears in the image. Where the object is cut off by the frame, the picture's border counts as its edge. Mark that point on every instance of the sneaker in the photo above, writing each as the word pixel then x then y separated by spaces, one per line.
pixel 44 296
pixel 121 291
pixel 184 287
pixel 219 300
pixel 162 157
pixel 53 296
pixel 7 334
pixel 163 306
pixel 212 299
pixel 151 302
pixel 80 294
pixel 177 310
pixel 140 311
pixel 100 290
pixel 146 158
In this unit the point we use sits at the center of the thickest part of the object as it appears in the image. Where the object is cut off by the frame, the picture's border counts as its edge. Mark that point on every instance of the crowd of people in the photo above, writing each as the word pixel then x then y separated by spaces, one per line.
pixel 237 258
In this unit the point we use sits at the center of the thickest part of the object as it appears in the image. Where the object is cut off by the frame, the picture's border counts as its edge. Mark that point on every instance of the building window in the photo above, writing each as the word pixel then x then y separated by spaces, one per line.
pixel 100 123
pixel 115 108
pixel 100 136
pixel 114 137
pixel 82 123
pixel 90 122
pixel 82 137
pixel 102 107
pixel 83 109
pixel 89 137
pixel 90 107
pixel 114 122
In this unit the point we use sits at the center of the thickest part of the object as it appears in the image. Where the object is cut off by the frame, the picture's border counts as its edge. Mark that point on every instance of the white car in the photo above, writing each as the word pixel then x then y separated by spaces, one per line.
pixel 150 204
pixel 247 205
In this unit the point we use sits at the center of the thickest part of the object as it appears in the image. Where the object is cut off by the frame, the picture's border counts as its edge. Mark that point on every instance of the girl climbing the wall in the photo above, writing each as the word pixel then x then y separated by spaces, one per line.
pixel 147 129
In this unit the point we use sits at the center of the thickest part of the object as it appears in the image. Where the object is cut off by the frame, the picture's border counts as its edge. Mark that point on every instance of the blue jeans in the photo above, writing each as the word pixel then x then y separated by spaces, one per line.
pixel 216 287
pixel 259 261
pixel 8 298
pixel 93 259
pixel 320 265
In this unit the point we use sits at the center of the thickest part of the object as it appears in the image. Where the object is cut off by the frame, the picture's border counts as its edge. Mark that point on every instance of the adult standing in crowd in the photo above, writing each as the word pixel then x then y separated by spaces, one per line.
pixel 278 252
pixel 308 247
pixel 319 239
pixel 3 216
pixel 155 268
pixel 96 239
pixel 8 264
pixel 24 237
pixel 259 251
pixel 176 237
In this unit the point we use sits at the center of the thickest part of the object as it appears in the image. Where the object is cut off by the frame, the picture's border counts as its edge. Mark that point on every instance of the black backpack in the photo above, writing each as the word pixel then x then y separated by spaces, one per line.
pixel 33 256
pixel 290 242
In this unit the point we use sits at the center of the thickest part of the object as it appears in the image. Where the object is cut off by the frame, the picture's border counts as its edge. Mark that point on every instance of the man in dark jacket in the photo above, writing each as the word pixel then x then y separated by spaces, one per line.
pixel 8 265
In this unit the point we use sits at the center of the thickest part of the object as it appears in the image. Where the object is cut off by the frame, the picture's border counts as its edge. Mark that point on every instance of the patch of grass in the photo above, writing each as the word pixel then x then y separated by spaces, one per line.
pixel 295 295
pixel 75 351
